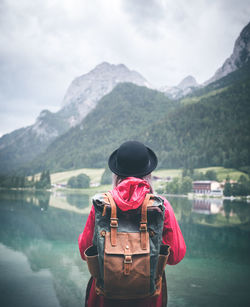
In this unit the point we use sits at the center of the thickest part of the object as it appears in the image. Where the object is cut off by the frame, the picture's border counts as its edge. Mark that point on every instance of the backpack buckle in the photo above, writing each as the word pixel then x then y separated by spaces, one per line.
pixel 127 264
pixel 113 222
pixel 143 226
pixel 128 259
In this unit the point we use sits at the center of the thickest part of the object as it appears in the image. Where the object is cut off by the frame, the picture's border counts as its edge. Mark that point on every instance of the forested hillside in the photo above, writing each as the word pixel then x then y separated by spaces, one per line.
pixel 123 114
pixel 23 145
pixel 236 77
pixel 212 130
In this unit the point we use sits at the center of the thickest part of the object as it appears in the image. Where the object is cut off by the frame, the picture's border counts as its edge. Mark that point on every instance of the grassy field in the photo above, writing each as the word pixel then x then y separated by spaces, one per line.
pixel 221 172
pixel 163 173
pixel 94 174
pixel 95 177
pixel 89 191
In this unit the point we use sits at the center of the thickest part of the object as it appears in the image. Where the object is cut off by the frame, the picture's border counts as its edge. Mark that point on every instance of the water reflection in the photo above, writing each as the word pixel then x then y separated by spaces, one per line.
pixel 22 197
pixel 207 206
pixel 44 199
pixel 79 201
pixel 217 212
pixel 43 229
pixel 14 270
pixel 46 238
pixel 215 228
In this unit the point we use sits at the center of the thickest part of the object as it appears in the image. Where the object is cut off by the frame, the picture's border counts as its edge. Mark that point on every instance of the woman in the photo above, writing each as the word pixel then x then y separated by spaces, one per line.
pixel 132 164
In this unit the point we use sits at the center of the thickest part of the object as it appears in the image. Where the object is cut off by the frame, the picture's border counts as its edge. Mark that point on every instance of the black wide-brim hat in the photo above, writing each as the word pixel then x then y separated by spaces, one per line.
pixel 132 159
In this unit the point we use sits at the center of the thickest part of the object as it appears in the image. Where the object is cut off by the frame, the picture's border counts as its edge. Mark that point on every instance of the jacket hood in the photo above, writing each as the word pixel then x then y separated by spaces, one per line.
pixel 130 193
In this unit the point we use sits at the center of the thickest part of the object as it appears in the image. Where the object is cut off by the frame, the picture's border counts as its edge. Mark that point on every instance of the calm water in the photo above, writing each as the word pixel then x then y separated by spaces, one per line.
pixel 40 263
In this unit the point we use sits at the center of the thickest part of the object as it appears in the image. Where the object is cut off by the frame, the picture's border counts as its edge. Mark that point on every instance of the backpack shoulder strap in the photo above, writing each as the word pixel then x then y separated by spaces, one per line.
pixel 113 219
pixel 144 222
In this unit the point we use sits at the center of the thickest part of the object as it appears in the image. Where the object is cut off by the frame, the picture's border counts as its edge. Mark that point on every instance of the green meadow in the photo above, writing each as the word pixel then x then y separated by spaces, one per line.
pixel 95 175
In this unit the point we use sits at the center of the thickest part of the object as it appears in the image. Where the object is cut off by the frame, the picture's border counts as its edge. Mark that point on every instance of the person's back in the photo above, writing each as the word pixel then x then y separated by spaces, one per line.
pixel 132 164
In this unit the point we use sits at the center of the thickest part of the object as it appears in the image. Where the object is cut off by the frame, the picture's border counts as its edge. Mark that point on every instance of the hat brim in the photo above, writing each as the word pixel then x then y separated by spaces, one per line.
pixel 153 161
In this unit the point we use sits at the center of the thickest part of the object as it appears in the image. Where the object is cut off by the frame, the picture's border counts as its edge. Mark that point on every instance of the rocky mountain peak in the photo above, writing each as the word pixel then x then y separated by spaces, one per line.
pixel 185 87
pixel 240 55
pixel 107 67
pixel 85 91
pixel 43 114
pixel 189 81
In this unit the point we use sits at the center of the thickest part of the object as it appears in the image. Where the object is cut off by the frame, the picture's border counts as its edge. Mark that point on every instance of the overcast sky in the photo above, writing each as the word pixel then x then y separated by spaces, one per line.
pixel 45 44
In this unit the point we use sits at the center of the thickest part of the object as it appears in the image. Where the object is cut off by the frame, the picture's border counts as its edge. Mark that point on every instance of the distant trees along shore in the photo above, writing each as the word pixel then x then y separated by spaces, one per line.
pixel 15 181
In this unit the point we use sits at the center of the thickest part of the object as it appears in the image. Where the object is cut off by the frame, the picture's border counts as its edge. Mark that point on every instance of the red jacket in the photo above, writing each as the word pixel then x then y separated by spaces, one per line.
pixel 129 194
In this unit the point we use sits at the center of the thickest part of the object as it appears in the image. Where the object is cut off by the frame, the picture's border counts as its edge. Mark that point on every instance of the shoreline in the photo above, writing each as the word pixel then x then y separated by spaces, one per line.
pixel 103 188
pixel 191 196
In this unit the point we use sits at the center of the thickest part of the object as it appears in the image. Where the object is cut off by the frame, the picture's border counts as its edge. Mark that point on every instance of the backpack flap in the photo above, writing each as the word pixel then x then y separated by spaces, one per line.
pixel 127 243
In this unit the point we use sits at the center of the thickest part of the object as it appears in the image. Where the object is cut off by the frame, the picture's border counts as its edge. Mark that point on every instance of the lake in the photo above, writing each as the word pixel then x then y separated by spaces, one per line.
pixel 40 264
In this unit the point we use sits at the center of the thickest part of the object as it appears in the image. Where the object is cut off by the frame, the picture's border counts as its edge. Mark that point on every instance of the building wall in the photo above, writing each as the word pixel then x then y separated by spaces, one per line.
pixel 207 187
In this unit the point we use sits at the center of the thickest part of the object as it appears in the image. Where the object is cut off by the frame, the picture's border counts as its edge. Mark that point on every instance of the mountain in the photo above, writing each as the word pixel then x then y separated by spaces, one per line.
pixel 123 114
pixel 240 56
pixel 213 130
pixel 187 82
pixel 100 110
pixel 23 145
pixel 212 89
pixel 86 90
pixel 185 87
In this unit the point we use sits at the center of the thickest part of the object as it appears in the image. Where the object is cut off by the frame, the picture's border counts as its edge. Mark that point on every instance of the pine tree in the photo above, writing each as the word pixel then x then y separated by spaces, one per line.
pixel 228 188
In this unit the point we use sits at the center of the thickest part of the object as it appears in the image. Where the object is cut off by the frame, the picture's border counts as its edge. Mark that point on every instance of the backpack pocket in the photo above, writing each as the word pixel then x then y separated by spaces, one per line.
pixel 162 260
pixel 126 267
pixel 91 255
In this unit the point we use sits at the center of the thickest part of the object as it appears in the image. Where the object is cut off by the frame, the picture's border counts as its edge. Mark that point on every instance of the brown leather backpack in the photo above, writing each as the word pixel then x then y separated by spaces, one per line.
pixel 127 258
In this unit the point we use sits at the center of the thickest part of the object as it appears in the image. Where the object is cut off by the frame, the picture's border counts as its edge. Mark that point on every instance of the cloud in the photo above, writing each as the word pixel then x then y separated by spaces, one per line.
pixel 190 37
pixel 146 16
pixel 45 44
